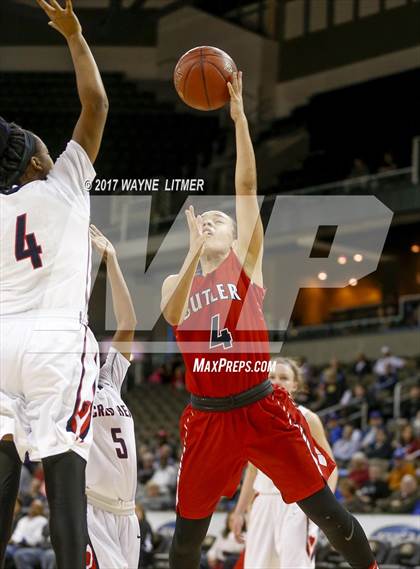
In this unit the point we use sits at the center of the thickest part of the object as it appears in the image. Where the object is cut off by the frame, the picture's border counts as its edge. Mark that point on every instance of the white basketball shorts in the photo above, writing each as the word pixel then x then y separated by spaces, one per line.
pixel 115 540
pixel 279 536
pixel 48 373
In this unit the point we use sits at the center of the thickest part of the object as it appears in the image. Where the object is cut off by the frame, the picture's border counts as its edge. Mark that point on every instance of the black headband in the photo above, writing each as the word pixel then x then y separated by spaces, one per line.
pixel 4 135
pixel 28 152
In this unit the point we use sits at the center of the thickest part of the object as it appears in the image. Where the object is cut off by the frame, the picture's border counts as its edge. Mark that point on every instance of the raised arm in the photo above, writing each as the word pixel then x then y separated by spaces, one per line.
pixel 121 299
pixel 318 434
pixel 90 125
pixel 176 288
pixel 246 496
pixel 250 228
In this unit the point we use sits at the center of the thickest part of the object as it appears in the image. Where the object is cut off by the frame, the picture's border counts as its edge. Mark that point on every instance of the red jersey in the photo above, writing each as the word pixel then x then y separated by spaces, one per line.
pixel 223 337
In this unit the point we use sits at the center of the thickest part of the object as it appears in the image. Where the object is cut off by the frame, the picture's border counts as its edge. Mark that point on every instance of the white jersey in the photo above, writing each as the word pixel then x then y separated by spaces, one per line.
pixel 111 472
pixel 44 240
pixel 263 484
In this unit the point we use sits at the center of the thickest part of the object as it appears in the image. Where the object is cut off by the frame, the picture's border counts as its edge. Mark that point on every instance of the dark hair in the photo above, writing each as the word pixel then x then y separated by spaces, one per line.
pixel 17 146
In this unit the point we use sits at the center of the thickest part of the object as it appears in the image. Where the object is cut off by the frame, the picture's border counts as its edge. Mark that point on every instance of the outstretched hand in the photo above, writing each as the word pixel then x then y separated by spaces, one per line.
pixel 195 225
pixel 235 91
pixel 64 20
pixel 100 242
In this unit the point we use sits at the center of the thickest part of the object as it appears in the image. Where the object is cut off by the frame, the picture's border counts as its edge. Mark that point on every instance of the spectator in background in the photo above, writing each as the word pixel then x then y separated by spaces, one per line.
pixel 157 376
pixel 387 363
pixel 358 169
pixel 146 544
pixel 146 467
pixel 376 422
pixel 333 427
pixel 362 366
pixel 332 386
pixel 349 443
pixel 409 441
pixel 386 382
pixel 400 469
pixel 349 497
pixel 375 488
pixel 224 546
pixel 410 406
pixel 358 469
pixel 163 439
pixel 154 499
pixel 165 451
pixel 28 530
pixel 381 446
pixel 357 395
pixel 337 370
pixel 29 538
pixel 17 515
pixel 161 375
pixel 388 163
pixel 178 377
pixel 36 492
pixel 403 500
pixel 166 473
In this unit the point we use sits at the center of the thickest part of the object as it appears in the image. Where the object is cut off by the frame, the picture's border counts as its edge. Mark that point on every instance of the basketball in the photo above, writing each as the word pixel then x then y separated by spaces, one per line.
pixel 201 77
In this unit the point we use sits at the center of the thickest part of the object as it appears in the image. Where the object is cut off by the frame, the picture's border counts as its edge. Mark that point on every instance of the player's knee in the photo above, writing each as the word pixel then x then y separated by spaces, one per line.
pixel 325 510
pixel 332 520
pixel 183 543
pixel 331 524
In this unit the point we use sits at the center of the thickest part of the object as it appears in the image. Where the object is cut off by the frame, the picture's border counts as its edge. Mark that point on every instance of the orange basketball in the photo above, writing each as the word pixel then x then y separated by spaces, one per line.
pixel 201 77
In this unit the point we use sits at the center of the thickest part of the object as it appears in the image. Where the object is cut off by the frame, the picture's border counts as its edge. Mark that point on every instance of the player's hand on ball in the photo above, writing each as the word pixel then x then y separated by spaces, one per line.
pixel 195 225
pixel 235 91
pixel 64 20
pixel 100 242
pixel 237 523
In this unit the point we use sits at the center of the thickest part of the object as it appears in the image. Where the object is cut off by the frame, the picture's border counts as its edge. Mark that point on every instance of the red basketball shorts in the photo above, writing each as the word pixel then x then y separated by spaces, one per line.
pixel 272 434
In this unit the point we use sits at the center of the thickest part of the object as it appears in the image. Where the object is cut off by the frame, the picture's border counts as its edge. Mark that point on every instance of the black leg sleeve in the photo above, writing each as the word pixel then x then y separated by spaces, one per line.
pixel 186 544
pixel 65 486
pixel 341 528
pixel 10 466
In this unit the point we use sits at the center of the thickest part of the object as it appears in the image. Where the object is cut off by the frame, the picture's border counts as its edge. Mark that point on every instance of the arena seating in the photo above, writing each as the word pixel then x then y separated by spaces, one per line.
pixel 403 555
pixel 156 407
pixel 167 143
pixel 334 136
